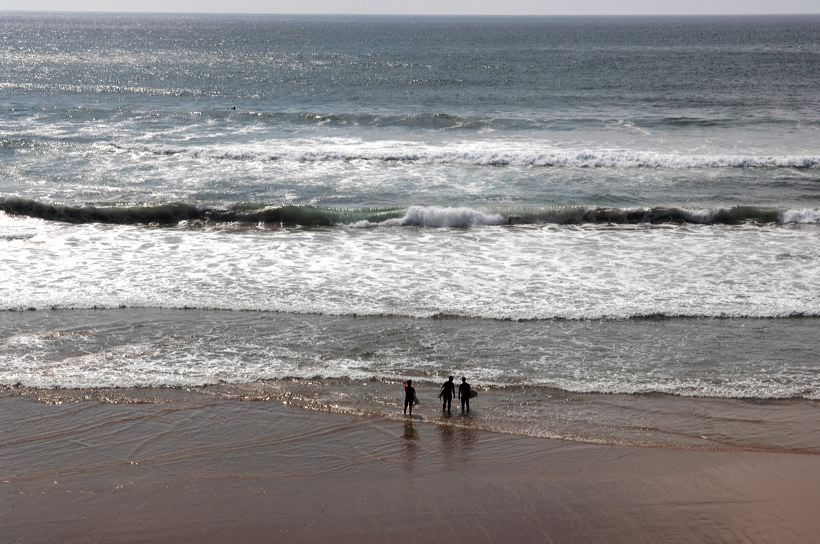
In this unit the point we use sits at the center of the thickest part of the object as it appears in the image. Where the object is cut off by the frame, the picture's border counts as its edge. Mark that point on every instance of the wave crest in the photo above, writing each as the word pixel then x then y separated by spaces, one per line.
pixel 430 216
pixel 413 216
pixel 804 216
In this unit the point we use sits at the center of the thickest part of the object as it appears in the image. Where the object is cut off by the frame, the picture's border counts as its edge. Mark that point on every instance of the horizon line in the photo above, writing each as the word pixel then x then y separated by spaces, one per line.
pixel 388 14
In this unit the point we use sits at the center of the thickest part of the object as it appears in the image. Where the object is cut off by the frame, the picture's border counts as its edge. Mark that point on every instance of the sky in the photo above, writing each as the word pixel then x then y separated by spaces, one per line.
pixel 432 7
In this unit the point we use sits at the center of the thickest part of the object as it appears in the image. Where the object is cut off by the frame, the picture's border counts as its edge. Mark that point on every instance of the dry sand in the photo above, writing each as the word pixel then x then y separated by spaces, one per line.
pixel 192 470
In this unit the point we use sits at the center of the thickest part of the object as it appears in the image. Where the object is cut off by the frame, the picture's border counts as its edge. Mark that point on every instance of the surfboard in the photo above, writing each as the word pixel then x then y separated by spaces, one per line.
pixel 473 393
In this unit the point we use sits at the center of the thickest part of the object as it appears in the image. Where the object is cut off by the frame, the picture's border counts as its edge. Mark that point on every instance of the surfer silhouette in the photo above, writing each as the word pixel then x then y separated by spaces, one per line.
pixel 409 396
pixel 448 390
pixel 464 395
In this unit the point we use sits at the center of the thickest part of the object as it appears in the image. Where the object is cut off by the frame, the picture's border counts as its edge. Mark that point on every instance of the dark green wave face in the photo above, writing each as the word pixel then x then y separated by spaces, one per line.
pixel 417 216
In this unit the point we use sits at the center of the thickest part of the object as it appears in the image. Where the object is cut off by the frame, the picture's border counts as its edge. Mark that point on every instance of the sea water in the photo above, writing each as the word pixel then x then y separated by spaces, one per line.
pixel 596 220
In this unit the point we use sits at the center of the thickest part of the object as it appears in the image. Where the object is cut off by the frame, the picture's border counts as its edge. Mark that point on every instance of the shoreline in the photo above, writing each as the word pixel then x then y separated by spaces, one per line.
pixel 205 471
pixel 652 420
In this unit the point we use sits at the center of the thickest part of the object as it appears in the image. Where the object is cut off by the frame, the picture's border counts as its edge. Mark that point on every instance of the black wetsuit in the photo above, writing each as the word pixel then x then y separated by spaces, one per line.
pixel 464 395
pixel 448 390
pixel 409 397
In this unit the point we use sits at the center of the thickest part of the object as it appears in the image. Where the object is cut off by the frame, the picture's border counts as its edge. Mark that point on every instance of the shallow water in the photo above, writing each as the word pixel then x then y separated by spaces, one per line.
pixel 705 383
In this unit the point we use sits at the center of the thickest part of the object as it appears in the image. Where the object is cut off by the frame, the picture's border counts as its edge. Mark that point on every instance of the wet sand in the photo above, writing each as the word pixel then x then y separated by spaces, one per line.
pixel 189 469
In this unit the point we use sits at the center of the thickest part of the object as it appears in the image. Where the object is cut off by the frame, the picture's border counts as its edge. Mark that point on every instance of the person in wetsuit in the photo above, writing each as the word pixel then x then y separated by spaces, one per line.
pixel 464 394
pixel 409 396
pixel 448 391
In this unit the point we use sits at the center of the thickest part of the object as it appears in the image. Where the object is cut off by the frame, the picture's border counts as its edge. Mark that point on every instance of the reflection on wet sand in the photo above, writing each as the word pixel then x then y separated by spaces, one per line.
pixel 410 436
pixel 261 472
pixel 461 435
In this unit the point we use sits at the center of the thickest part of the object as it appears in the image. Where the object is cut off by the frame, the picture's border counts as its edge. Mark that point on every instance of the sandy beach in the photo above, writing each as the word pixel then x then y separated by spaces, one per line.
pixel 185 469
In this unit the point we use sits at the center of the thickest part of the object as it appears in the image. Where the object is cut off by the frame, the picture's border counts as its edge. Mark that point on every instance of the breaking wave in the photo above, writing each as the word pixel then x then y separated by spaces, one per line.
pixel 477 154
pixel 413 216
pixel 430 216
pixel 436 121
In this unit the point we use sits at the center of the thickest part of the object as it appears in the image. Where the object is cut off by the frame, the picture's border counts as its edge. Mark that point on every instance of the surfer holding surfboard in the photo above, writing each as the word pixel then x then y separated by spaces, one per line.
pixel 448 391
pixel 465 393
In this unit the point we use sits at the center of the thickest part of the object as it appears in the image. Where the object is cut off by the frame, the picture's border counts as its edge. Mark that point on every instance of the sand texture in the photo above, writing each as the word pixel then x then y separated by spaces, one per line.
pixel 194 471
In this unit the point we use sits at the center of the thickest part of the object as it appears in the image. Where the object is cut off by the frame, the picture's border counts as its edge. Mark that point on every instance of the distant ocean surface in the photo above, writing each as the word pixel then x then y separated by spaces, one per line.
pixel 585 216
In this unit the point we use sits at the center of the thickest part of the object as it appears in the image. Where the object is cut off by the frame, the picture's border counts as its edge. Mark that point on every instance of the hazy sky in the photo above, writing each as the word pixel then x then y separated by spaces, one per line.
pixel 478 7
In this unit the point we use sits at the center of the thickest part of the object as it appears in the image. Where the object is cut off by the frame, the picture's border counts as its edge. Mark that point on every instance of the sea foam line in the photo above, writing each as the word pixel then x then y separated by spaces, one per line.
pixel 473 153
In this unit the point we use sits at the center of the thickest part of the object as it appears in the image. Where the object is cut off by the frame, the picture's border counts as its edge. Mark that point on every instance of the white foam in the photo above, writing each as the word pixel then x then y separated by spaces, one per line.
pixel 518 273
pixel 472 152
pixel 431 216
pixel 702 216
pixel 805 216
pixel 625 383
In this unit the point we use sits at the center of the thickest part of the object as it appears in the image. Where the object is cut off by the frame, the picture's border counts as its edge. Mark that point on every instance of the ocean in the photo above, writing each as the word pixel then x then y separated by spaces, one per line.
pixel 608 225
